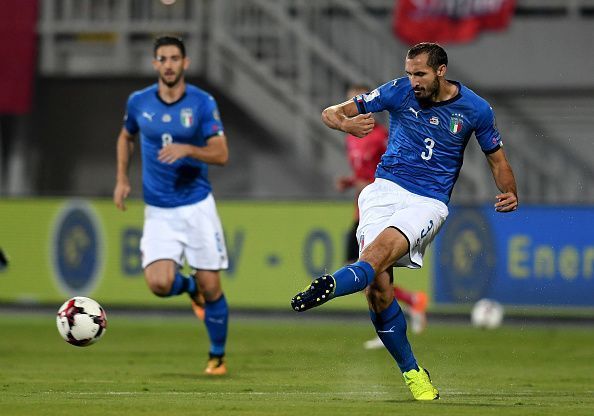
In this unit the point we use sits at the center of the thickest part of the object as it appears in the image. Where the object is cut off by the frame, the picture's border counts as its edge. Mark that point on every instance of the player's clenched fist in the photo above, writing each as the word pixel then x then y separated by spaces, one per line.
pixel 359 126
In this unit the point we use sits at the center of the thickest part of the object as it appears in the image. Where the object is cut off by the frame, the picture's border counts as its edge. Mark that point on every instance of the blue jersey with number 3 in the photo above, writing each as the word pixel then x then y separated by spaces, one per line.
pixel 192 119
pixel 426 145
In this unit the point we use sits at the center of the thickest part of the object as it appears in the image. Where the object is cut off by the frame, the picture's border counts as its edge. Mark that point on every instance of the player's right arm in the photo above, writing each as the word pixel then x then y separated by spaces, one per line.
pixel 124 150
pixel 345 117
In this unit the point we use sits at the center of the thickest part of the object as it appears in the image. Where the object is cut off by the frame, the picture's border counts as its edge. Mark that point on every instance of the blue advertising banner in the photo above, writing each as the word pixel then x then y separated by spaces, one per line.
pixel 538 255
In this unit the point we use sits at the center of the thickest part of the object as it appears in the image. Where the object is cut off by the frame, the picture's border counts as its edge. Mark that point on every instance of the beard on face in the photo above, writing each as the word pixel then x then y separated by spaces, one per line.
pixel 173 82
pixel 427 95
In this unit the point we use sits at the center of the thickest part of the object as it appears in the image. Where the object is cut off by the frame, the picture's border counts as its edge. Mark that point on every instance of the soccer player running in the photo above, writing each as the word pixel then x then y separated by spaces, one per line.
pixel 431 122
pixel 180 134
pixel 364 155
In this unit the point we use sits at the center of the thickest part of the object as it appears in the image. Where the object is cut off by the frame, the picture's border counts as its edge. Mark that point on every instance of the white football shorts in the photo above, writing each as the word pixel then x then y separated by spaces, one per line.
pixel 384 204
pixel 190 232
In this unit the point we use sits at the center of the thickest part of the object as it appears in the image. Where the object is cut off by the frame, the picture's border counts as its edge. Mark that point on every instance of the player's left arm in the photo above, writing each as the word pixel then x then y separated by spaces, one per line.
pixel 503 175
pixel 216 151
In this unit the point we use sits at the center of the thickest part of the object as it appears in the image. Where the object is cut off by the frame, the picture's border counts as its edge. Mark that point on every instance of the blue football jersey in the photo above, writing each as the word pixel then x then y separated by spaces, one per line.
pixel 426 145
pixel 193 119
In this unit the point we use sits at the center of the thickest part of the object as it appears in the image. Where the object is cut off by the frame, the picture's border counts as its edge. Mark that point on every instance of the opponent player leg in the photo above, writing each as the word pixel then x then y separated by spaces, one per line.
pixel 404 295
pixel 216 317
pixel 418 312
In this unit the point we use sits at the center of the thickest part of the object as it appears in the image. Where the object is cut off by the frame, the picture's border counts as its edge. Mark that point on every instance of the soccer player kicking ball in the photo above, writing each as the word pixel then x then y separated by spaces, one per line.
pixel 363 157
pixel 180 134
pixel 431 121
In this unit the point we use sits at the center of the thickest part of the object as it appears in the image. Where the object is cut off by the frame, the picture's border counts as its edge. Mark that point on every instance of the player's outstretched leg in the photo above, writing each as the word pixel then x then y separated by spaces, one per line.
pixel 346 280
pixel 318 292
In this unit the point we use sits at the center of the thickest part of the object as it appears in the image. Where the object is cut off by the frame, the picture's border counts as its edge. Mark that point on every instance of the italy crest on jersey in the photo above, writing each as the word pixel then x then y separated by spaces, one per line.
pixel 187 117
pixel 456 123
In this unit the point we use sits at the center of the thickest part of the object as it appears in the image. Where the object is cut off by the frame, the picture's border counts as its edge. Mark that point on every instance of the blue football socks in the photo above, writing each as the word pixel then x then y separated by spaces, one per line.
pixel 216 316
pixel 182 284
pixel 390 325
pixel 353 278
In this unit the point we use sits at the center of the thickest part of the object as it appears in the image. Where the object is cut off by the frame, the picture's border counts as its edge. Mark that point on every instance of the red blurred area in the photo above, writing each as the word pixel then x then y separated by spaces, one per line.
pixel 18 19
pixel 447 21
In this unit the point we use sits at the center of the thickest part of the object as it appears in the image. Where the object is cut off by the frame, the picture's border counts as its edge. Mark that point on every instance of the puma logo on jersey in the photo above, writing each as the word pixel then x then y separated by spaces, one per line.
pixel 148 116
pixel 415 112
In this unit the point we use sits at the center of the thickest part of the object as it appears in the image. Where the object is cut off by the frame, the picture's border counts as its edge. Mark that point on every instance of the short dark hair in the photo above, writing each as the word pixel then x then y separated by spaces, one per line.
pixel 169 40
pixel 437 55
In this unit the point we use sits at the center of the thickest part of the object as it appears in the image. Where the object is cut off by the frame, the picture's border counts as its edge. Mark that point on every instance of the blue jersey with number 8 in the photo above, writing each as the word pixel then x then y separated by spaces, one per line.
pixel 426 145
pixel 192 119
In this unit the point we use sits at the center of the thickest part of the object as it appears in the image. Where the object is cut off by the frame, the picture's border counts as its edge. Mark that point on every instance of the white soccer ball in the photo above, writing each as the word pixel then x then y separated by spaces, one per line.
pixel 487 313
pixel 81 321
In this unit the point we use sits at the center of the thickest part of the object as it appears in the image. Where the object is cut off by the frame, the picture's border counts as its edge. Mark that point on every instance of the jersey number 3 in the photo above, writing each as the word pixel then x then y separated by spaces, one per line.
pixel 429 143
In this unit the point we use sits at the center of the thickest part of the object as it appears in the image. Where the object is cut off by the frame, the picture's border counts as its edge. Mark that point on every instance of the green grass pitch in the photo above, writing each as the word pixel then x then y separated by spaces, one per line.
pixel 152 366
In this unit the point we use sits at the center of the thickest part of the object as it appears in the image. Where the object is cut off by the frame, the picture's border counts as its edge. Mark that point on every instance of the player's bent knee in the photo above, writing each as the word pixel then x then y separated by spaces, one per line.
pixel 159 285
pixel 160 289
pixel 159 277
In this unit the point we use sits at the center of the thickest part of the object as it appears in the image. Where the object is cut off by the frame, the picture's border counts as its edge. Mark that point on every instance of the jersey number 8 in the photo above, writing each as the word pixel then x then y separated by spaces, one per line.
pixel 166 139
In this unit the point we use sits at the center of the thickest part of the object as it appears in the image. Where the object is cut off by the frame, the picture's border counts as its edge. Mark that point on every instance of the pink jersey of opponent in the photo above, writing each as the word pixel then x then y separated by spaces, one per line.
pixel 364 154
